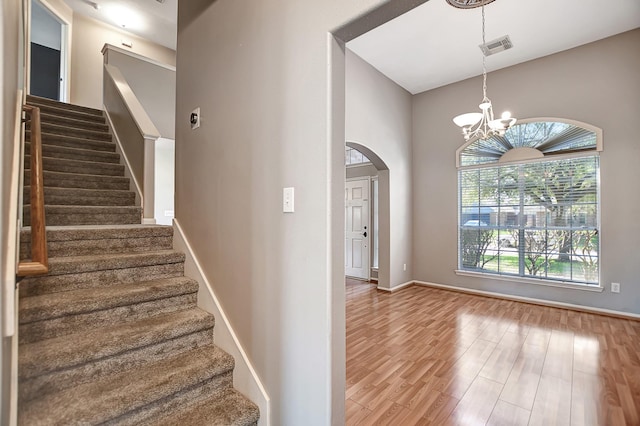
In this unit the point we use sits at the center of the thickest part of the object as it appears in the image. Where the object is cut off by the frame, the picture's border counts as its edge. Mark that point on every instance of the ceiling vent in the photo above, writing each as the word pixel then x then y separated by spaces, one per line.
pixel 497 45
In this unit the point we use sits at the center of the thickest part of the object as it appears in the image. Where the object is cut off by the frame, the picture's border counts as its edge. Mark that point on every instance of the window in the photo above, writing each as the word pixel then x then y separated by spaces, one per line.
pixel 354 157
pixel 534 214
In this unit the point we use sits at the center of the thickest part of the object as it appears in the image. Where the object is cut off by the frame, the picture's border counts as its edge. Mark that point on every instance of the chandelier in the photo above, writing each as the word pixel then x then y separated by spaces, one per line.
pixel 483 125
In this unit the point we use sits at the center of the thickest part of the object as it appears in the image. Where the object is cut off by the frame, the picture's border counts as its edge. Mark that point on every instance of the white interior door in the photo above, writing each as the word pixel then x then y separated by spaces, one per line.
pixel 357 229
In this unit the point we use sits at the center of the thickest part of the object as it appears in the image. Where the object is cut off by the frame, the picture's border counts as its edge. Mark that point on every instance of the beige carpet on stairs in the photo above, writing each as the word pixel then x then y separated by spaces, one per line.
pixel 112 334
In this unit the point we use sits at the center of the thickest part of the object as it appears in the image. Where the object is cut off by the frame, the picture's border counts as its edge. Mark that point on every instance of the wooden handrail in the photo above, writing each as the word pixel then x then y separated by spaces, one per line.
pixel 39 263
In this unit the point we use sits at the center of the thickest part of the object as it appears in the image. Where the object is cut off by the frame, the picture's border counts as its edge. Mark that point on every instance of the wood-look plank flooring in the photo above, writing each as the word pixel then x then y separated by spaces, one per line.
pixel 423 356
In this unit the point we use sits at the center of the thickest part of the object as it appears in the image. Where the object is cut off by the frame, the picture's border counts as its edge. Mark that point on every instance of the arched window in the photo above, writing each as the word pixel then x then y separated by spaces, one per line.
pixel 529 203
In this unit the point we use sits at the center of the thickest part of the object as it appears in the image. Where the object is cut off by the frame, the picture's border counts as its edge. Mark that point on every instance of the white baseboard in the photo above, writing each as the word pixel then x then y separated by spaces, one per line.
pixel 542 302
pixel 245 378
pixel 396 287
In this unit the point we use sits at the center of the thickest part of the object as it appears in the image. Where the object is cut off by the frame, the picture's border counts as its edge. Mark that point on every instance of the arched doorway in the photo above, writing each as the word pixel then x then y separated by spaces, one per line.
pixel 366 214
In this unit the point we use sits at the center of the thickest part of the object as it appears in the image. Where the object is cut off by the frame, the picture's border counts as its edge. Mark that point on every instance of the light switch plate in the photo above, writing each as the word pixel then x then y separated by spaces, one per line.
pixel 288 200
pixel 615 287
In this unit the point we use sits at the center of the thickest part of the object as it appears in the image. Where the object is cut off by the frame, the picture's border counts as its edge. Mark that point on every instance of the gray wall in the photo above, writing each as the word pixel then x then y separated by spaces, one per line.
pixel 10 52
pixel 598 84
pixel 378 116
pixel 154 86
pixel 272 117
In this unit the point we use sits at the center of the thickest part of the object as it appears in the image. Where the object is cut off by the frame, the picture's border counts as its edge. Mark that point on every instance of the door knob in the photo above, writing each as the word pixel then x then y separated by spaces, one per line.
pixel 365 234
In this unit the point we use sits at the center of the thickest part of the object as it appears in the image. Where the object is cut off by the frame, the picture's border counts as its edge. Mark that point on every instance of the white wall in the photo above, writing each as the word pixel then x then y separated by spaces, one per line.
pixel 164 180
pixel 45 29
pixel 89 36
pixel 269 81
pixel 598 84
pixel 378 116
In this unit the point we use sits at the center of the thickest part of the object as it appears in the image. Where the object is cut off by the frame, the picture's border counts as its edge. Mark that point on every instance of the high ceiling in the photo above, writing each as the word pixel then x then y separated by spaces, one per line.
pixel 148 19
pixel 432 45
pixel 436 44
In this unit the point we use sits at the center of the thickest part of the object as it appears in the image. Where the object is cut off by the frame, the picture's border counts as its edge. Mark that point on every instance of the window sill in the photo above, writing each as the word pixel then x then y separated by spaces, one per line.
pixel 548 283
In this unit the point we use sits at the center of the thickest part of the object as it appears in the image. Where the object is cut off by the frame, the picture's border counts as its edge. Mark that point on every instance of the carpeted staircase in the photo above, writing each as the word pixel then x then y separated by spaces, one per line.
pixel 112 335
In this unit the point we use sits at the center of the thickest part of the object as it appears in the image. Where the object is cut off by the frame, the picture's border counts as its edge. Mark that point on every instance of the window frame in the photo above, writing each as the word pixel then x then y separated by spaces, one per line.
pixel 520 276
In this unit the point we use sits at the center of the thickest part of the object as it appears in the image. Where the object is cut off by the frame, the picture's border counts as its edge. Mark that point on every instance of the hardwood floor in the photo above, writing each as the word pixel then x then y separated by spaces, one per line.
pixel 423 356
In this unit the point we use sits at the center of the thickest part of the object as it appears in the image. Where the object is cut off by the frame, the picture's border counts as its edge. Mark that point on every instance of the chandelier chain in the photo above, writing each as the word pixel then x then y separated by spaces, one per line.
pixel 484 60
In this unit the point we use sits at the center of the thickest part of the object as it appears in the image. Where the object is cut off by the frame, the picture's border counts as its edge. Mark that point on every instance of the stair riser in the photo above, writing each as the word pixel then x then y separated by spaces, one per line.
pixel 56 283
pixel 74 123
pixel 78 143
pixel 62 326
pixel 37 101
pixel 82 200
pixel 60 379
pixel 148 415
pixel 70 166
pixel 52 151
pixel 67 180
pixel 97 247
pixel 77 133
pixel 67 219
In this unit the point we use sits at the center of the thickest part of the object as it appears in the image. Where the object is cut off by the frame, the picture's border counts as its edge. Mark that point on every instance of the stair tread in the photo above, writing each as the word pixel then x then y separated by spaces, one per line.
pixel 79 264
pixel 32 99
pixel 72 161
pixel 54 305
pixel 97 232
pixel 83 347
pixel 80 176
pixel 70 121
pixel 66 130
pixel 115 395
pixel 48 138
pixel 87 209
pixel 104 155
pixel 85 191
pixel 228 408
pixel 64 112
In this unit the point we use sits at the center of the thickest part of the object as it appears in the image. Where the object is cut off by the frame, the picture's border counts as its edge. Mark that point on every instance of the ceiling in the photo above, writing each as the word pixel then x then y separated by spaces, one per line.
pixel 432 45
pixel 436 44
pixel 148 19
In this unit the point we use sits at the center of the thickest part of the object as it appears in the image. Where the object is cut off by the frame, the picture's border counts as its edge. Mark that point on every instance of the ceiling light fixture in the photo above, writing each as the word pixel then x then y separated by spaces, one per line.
pixel 483 125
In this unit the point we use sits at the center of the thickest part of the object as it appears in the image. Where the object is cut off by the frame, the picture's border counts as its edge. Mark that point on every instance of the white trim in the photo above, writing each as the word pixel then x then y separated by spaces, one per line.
pixel 108 47
pixel 127 165
pixel 365 164
pixel 13 231
pixel 535 281
pixel 245 378
pixel 396 287
pixel 535 301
